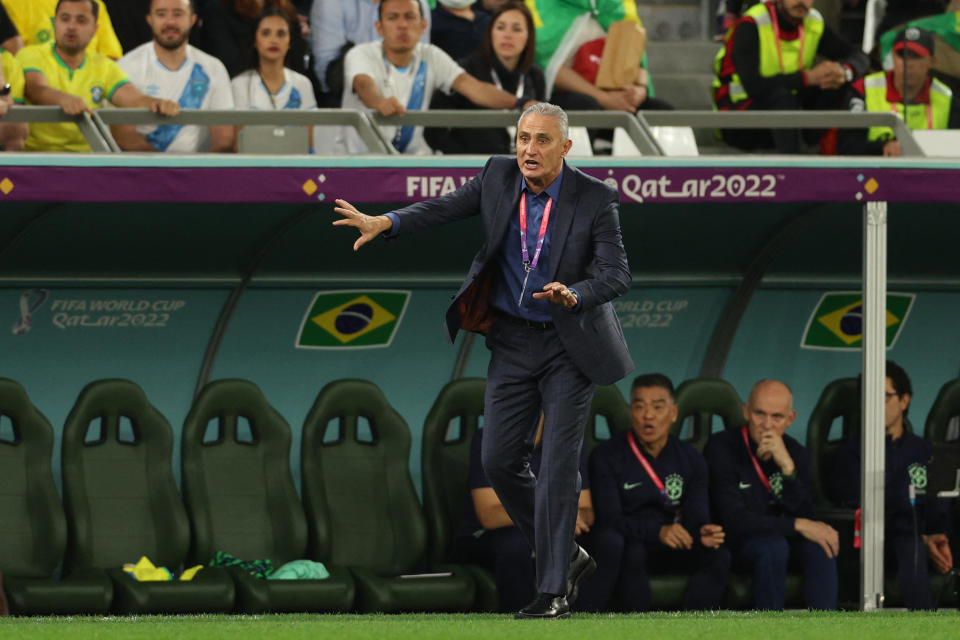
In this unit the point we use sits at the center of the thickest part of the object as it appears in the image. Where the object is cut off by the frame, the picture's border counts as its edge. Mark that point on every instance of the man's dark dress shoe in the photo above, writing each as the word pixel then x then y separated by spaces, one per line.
pixel 546 605
pixel 581 567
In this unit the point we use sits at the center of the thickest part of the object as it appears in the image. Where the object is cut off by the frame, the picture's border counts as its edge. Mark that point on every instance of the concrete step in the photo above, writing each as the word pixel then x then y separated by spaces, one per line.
pixel 689 56
pixel 684 90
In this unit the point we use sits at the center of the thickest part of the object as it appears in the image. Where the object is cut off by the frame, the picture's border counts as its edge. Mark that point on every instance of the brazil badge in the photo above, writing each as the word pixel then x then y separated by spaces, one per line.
pixel 837 321
pixel 352 319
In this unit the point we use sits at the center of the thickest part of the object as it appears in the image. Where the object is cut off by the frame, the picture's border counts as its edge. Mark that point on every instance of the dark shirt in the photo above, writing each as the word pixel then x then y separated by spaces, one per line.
pixel 903 455
pixel 625 498
pixel 458 36
pixel 228 36
pixel 739 499
pixel 129 22
pixel 486 140
pixel 745 54
pixel 855 141
pixel 7 29
pixel 507 288
pixel 477 479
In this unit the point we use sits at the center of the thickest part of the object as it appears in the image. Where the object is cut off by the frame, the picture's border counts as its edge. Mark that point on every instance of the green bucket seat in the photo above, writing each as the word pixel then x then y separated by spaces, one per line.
pixel 241 498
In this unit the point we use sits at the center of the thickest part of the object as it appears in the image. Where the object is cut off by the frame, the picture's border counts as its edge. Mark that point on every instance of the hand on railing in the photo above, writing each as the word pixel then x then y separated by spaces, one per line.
pixel 74 105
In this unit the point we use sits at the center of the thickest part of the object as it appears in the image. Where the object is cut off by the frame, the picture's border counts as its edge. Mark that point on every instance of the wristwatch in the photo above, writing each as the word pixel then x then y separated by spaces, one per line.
pixel 5 90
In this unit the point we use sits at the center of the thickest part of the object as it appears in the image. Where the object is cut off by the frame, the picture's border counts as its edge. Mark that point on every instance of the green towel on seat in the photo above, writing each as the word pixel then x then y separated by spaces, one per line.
pixel 301 570
pixel 257 568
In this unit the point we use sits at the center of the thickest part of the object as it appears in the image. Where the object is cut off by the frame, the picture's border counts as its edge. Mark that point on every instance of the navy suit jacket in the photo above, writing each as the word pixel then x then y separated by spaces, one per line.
pixel 586 253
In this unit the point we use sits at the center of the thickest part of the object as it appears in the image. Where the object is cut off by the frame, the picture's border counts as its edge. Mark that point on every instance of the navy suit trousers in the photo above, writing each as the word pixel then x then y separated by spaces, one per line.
pixel 530 370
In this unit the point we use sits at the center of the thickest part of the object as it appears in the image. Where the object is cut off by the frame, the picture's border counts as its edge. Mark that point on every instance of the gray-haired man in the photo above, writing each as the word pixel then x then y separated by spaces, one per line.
pixel 553 334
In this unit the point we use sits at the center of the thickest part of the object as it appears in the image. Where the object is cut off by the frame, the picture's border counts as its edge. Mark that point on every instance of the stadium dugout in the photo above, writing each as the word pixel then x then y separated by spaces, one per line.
pixel 173 271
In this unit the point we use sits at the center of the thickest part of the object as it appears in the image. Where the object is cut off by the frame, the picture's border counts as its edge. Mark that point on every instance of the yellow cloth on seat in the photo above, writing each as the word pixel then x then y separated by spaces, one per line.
pixel 145 571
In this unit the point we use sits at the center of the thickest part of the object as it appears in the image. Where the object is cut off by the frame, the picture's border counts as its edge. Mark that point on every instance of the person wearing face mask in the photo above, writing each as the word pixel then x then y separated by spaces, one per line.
pixel 761 490
pixel 458 26
pixel 504 58
pixel 767 63
pixel 908 89
pixel 268 85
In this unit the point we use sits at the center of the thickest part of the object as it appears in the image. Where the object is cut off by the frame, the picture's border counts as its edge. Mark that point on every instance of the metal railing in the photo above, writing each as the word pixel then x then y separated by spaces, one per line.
pixel 786 120
pixel 85 122
pixel 96 127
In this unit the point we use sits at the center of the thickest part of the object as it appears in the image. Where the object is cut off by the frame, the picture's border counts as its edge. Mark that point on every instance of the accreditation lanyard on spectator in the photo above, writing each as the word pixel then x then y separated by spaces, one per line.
pixel 776 37
pixel 529 265
pixel 405 133
pixel 511 131
pixel 753 458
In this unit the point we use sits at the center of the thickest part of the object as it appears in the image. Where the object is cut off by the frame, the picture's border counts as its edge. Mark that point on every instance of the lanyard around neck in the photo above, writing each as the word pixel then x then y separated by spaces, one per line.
pixel 753 458
pixel 530 265
pixel 776 39
pixel 496 81
pixel 646 465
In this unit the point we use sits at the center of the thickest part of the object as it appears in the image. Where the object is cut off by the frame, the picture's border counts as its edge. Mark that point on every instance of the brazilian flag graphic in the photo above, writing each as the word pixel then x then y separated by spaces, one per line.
pixel 352 319
pixel 837 321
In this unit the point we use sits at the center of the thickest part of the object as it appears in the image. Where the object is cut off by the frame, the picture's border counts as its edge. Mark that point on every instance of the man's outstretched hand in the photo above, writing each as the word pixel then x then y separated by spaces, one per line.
pixel 368 226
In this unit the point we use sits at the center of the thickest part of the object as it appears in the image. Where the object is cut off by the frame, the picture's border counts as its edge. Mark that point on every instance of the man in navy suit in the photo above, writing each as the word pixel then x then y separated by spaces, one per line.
pixel 540 288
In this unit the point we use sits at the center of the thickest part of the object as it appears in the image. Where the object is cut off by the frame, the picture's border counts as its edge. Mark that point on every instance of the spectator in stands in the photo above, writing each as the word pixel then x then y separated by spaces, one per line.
pixel 12 134
pixel 914 528
pixel 563 28
pixel 761 491
pixel 505 58
pixel 652 510
pixel 269 85
pixel 488 537
pixel 401 73
pixel 10 39
pixel 34 21
pixel 767 63
pixel 128 22
pixel 923 102
pixel 168 67
pixel 68 75
pixel 335 27
pixel 458 26
pixel 227 29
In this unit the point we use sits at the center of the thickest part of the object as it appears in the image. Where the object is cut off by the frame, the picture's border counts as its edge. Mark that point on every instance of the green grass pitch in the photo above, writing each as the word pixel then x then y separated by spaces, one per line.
pixel 674 626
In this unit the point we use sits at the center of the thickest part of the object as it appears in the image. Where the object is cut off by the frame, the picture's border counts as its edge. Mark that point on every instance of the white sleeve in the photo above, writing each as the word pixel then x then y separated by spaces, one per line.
pixel 221 93
pixel 445 68
pixel 359 61
pixel 241 97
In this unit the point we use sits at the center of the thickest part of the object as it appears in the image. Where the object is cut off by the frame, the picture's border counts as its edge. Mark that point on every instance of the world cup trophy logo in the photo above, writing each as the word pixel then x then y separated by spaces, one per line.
pixel 30 301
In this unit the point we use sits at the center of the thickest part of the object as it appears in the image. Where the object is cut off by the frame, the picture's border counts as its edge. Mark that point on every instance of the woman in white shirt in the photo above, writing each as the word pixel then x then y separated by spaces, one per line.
pixel 270 85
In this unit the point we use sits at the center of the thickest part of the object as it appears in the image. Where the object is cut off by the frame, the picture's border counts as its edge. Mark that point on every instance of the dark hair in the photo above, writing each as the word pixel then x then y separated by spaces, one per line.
pixel 527 56
pixel 94 7
pixel 380 9
pixel 899 378
pixel 272 9
pixel 192 3
pixel 654 380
